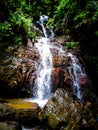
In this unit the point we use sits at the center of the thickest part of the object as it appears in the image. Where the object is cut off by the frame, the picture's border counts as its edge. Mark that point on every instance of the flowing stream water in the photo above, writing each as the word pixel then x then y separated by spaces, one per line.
pixel 76 70
pixel 42 87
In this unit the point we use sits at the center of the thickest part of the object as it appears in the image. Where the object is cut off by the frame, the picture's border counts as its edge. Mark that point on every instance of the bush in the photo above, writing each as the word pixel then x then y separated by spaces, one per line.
pixel 71 45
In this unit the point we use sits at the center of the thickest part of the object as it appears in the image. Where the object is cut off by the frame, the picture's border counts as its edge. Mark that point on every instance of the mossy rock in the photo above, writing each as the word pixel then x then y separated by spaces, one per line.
pixel 10 126
pixel 65 112
pixel 25 111
pixel 6 112
pixel 72 125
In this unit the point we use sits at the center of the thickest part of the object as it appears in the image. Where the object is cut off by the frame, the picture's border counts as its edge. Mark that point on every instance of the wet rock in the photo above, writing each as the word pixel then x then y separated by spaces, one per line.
pixel 16 67
pixel 60 60
pixel 57 78
pixel 84 81
pixel 65 111
pixel 71 126
pixel 60 40
pixel 6 112
pixel 37 31
pixel 68 81
pixel 10 126
pixel 24 111
pixel 34 128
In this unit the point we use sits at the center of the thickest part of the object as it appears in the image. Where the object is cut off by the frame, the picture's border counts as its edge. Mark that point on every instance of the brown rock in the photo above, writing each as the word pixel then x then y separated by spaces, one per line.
pixel 59 60
pixel 84 81
pixel 63 110
pixel 57 78
pixel 15 69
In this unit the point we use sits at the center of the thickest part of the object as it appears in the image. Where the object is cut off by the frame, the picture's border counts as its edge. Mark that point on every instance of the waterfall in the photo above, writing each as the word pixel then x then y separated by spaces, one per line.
pixel 42 87
pixel 43 66
pixel 43 21
pixel 75 70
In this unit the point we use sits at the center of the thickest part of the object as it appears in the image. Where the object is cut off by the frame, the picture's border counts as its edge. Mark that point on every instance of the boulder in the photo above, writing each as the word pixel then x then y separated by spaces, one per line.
pixel 9 125
pixel 65 111
pixel 6 112
pixel 25 112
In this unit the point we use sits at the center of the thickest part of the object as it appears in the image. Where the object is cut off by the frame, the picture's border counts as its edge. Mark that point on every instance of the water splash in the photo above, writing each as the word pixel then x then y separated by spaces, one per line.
pixel 75 70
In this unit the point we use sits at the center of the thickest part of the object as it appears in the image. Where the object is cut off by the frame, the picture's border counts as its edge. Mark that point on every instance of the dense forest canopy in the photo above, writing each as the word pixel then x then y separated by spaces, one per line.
pixel 76 18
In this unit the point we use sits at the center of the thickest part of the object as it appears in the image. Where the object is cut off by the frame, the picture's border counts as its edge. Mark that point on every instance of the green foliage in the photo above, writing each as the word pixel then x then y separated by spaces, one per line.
pixel 71 45
pixel 20 20
pixel 5 29
pixel 75 14
pixel 61 15
pixel 16 18
pixel 96 33
pixel 17 40
pixel 31 34
pixel 15 22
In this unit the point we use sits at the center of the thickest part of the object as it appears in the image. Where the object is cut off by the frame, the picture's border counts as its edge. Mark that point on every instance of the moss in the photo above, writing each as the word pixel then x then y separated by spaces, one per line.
pixel 20 104
pixel 24 111
pixel 53 121
pixel 26 105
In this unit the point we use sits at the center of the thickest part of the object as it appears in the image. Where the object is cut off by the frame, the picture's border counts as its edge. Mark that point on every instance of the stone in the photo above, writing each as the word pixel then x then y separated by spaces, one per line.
pixel 25 112
pixel 6 112
pixel 84 81
pixel 16 66
pixel 57 78
pixel 37 31
pixel 10 125
pixel 63 110
pixel 59 61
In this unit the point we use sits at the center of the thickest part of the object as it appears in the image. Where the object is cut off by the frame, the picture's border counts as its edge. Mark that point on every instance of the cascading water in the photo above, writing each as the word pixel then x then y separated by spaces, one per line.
pixel 42 86
pixel 44 19
pixel 75 71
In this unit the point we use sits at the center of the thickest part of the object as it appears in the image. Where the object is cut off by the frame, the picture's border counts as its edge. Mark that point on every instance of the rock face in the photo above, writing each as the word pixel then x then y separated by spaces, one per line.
pixel 57 78
pixel 16 70
pixel 63 111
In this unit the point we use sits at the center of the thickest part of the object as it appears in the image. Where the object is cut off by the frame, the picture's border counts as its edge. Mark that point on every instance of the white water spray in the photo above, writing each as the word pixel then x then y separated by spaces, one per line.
pixel 75 71
pixel 42 88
